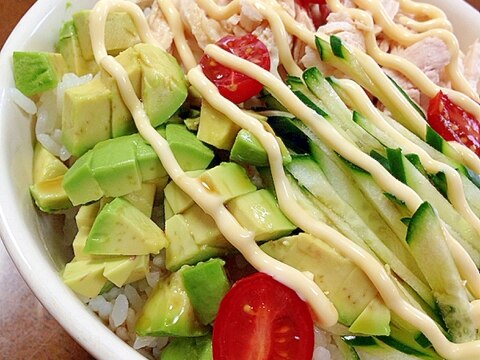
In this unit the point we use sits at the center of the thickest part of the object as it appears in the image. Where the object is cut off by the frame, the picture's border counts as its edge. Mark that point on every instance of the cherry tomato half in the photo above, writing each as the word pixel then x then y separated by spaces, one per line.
pixel 233 85
pixel 454 123
pixel 262 319
pixel 318 11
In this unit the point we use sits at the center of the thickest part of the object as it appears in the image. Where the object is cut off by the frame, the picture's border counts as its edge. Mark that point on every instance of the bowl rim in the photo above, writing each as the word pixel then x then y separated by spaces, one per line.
pixel 70 312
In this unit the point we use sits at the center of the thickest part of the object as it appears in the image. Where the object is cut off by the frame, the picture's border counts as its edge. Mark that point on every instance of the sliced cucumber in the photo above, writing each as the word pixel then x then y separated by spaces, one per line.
pixel 427 241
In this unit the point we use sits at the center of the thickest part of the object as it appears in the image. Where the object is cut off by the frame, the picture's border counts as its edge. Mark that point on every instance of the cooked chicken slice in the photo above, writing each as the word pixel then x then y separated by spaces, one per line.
pixel 391 7
pixel 302 17
pixel 159 26
pixel 341 25
pixel 472 65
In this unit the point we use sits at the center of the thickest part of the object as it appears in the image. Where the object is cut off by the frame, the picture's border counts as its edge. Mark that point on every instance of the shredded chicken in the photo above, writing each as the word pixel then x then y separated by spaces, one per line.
pixel 472 65
pixel 341 25
pixel 391 7
pixel 159 26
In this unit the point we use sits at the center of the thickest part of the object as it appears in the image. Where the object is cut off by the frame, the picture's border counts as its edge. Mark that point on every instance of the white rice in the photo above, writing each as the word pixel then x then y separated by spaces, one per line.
pixel 120 311
pixel 22 101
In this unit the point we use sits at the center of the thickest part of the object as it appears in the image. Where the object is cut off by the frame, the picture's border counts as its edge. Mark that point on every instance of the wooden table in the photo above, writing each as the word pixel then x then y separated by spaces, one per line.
pixel 28 331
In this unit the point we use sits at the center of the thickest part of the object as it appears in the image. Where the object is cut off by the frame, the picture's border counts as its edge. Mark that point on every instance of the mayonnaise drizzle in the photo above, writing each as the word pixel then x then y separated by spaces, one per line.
pixel 213 205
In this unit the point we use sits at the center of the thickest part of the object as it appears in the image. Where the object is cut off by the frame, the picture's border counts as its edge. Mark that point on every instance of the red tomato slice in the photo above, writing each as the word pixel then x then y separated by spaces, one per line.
pixel 317 10
pixel 262 319
pixel 454 123
pixel 233 85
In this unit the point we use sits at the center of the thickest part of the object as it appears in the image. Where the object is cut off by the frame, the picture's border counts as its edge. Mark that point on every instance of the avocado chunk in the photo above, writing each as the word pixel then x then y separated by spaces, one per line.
pixel 121 229
pixel 191 348
pixel 248 150
pixel 215 128
pixel 167 210
pixel 259 212
pixel 79 183
pixel 168 311
pixel 149 164
pixel 164 86
pixel 115 168
pixel 36 72
pixel 85 218
pixel 190 152
pixel 85 277
pixel 374 319
pixel 86 116
pixel 182 248
pixel 120 32
pixel 122 120
pixel 206 284
pixel 177 199
pixel 203 228
pixel 344 283
pixel 50 196
pixel 228 180
pixel 143 199
pixel 122 270
pixel 69 46
pixel 46 165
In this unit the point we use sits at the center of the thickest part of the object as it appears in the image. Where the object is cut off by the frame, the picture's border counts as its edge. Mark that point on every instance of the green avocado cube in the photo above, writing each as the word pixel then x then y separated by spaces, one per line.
pixel 203 228
pixel 85 218
pixel 36 72
pixel 86 116
pixel 115 167
pixel 182 248
pixel 46 165
pixel 121 229
pixel 190 152
pixel 164 86
pixel 259 212
pixel 143 199
pixel 148 162
pixel 79 183
pixel 169 312
pixel 178 200
pixel 374 319
pixel 120 32
pixel 215 128
pixel 85 277
pixel 50 196
pixel 69 46
pixel 191 348
pixel 167 210
pixel 206 284
pixel 122 270
pixel 228 180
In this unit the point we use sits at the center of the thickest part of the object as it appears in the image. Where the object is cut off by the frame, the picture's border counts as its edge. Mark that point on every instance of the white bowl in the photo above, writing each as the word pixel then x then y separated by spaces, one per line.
pixel 29 237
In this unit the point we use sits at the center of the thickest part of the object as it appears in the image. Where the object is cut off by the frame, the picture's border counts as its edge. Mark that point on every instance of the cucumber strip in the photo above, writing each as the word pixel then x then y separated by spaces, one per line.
pixel 405 171
pixel 348 352
pixel 427 241
pixel 289 130
pixel 310 176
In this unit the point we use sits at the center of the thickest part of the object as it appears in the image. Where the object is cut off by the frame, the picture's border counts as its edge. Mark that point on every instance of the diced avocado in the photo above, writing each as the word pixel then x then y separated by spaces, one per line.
pixel 143 199
pixel 168 311
pixel 120 32
pixel 49 195
pixel 164 86
pixel 182 248
pixel 228 180
pixel 167 211
pixel 206 284
pixel 148 162
pixel 215 128
pixel 248 150
pixel 203 228
pixel 115 168
pixel 69 46
pixel 79 183
pixel 46 165
pixel 121 229
pixel 259 212
pixel 85 277
pixel 86 116
pixel 85 219
pixel 178 200
pixel 122 120
pixel 122 270
pixel 190 152
pixel 36 72
pixel 374 319
pixel 345 284
pixel 191 348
